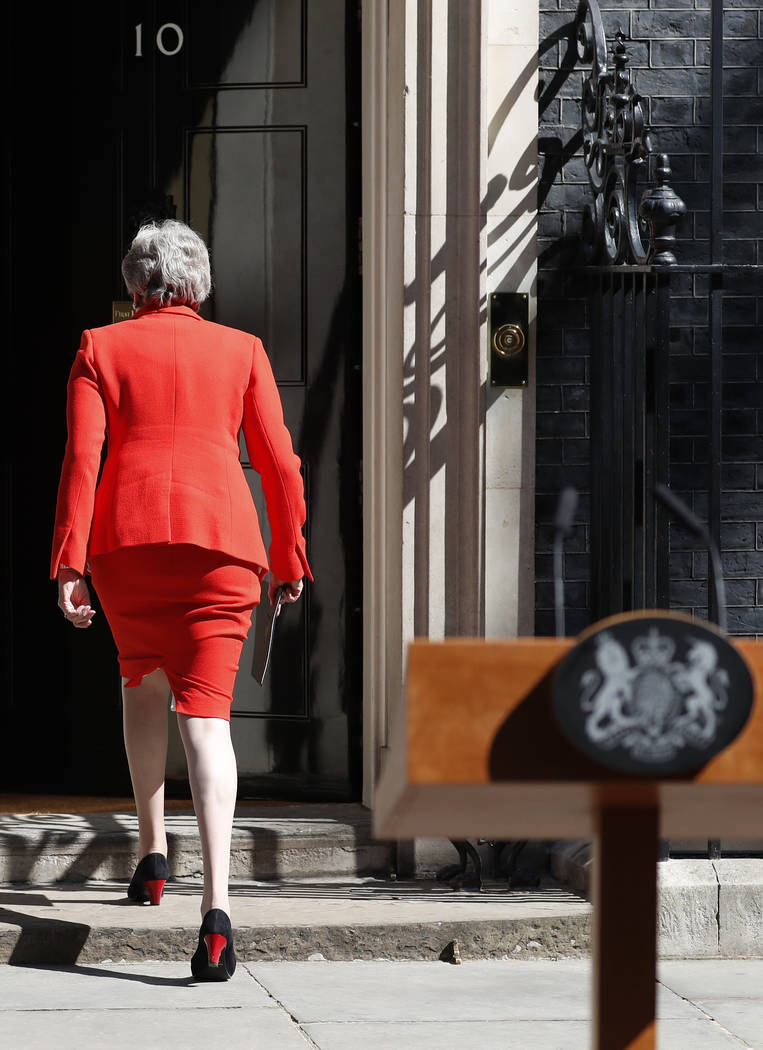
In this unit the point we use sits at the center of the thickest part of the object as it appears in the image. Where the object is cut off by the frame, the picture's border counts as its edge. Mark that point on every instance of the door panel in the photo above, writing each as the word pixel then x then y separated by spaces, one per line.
pixel 246 194
pixel 241 119
pixel 269 47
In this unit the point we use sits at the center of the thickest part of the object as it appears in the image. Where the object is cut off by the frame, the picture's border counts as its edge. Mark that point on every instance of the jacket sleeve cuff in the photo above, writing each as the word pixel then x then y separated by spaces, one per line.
pixel 63 556
pixel 289 565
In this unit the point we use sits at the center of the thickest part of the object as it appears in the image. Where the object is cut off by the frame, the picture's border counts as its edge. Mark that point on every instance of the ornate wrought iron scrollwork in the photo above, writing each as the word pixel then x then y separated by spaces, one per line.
pixel 629 221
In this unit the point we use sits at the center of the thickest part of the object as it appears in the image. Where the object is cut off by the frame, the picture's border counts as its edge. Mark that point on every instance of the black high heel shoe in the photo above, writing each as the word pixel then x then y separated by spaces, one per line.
pixel 148 881
pixel 214 959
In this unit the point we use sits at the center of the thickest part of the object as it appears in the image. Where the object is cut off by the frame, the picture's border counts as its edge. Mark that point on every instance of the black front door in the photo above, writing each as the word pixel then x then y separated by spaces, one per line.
pixel 239 118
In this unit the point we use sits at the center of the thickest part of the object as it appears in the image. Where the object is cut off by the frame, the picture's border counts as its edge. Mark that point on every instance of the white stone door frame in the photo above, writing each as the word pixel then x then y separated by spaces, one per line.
pixel 490 79
pixel 382 168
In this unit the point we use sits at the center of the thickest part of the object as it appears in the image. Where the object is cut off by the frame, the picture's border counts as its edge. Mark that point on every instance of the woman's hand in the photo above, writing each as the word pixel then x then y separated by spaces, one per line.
pixel 74 598
pixel 291 590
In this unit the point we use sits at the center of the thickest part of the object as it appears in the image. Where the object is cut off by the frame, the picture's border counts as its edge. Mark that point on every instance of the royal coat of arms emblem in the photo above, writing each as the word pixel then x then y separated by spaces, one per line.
pixel 653 695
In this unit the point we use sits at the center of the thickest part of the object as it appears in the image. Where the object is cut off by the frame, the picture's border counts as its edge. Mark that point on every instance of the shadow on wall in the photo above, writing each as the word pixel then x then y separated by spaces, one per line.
pixel 557 151
pixel 563 339
pixel 443 409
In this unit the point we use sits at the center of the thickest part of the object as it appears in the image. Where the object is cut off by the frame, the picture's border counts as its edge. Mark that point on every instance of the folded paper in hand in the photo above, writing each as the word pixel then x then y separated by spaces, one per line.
pixel 264 628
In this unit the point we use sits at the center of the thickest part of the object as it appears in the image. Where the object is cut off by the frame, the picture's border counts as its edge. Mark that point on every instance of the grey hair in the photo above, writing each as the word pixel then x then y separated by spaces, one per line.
pixel 167 262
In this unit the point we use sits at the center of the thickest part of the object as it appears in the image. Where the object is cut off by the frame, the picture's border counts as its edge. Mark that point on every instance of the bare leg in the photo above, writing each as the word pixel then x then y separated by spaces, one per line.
pixel 214 783
pixel 144 717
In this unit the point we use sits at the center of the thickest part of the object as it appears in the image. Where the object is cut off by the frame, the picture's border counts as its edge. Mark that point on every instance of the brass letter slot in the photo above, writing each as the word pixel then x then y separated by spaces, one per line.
pixel 508 339
pixel 121 310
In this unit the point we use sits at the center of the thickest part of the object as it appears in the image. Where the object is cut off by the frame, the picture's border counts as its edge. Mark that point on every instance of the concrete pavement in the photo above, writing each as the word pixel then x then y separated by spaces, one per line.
pixel 485 1004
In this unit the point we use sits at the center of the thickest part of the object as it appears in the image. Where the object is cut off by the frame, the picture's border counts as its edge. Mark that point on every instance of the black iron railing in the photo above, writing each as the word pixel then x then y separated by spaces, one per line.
pixel 629 231
pixel 634 211
pixel 629 236
pixel 630 308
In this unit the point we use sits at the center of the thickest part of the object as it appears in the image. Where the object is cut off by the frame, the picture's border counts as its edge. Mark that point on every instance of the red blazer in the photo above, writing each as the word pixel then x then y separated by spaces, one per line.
pixel 172 392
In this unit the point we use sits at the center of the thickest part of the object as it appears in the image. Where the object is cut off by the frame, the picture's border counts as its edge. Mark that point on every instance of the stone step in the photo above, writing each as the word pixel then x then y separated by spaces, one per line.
pixel 336 919
pixel 306 880
pixel 707 909
pixel 268 842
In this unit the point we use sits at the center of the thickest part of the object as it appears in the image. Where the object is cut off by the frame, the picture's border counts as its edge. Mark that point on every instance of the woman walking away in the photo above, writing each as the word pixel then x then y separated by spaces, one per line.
pixel 171 539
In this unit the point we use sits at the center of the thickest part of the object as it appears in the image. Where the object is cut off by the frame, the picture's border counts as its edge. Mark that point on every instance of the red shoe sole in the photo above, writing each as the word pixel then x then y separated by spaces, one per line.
pixel 154 888
pixel 216 944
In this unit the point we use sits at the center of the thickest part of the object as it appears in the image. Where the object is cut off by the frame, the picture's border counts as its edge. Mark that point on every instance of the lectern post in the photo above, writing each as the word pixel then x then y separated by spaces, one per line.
pixel 625 928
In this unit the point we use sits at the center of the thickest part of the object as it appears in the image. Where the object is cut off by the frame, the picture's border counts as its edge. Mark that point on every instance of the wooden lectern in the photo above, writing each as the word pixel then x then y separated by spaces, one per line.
pixel 479 752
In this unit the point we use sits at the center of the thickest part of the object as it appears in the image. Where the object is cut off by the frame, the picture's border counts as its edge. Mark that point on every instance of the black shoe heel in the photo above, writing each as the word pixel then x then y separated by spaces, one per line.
pixel 148 881
pixel 214 959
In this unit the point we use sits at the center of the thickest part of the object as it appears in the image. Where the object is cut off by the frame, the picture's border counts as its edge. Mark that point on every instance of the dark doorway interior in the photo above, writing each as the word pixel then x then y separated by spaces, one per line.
pixel 242 119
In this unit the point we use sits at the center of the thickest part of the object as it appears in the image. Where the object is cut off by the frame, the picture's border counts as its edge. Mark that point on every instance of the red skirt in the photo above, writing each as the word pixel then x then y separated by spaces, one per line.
pixel 182 608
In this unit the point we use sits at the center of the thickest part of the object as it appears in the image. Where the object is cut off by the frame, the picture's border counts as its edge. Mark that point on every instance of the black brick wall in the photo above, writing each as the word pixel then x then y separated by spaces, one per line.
pixel 669 48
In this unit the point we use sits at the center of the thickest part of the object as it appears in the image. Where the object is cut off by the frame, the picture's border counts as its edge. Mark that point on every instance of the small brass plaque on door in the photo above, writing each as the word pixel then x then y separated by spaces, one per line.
pixel 121 310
